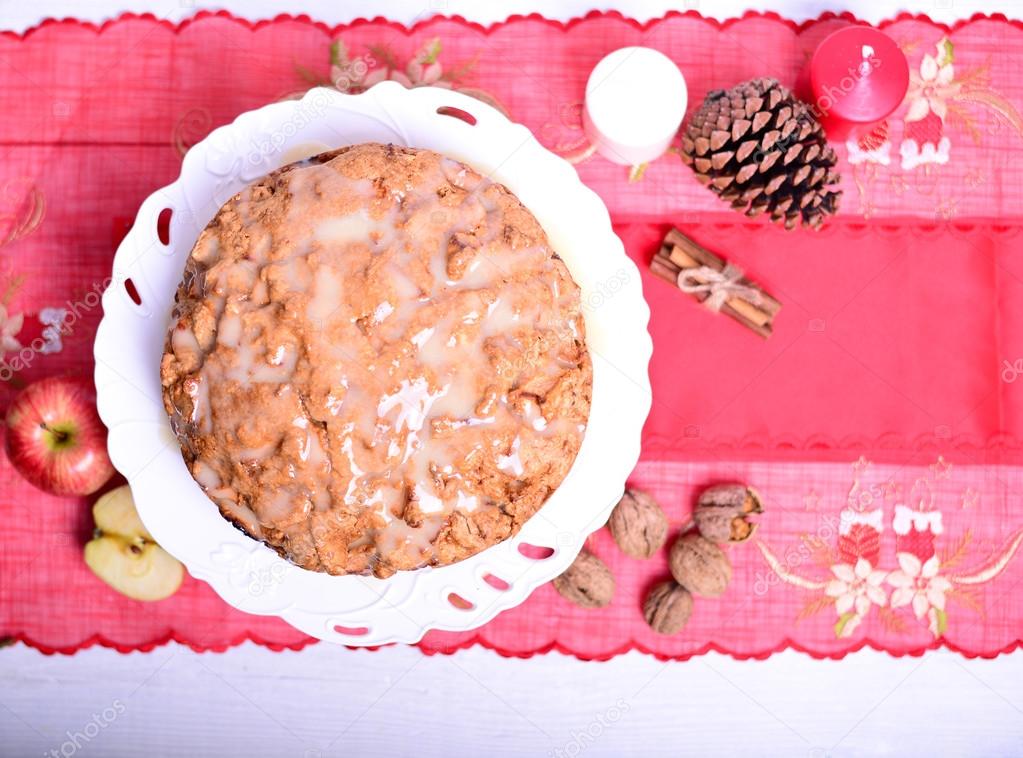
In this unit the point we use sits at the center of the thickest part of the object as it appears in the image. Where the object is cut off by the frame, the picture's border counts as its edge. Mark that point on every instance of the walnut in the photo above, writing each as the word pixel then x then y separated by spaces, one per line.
pixel 700 566
pixel 588 582
pixel 721 512
pixel 668 607
pixel 638 524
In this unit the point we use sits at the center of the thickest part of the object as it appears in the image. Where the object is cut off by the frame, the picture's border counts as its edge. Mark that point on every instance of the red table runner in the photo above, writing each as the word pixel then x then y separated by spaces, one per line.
pixel 900 341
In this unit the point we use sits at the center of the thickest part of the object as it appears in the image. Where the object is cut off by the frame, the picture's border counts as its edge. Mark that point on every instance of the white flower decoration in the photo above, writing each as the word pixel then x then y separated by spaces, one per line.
pixel 856 588
pixel 918 583
pixel 931 89
pixel 9 328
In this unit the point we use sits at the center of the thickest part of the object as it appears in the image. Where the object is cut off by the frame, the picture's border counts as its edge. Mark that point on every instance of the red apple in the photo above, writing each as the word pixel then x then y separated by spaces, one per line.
pixel 55 438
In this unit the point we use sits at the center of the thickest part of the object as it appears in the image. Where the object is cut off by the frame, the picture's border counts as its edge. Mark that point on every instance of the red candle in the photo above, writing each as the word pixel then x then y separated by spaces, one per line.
pixel 858 76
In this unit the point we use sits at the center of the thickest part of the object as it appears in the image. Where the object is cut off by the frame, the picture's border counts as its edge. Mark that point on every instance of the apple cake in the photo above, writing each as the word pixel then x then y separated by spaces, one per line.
pixel 376 362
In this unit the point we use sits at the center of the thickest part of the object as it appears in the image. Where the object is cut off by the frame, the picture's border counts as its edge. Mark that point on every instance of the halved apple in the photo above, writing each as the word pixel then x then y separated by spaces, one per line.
pixel 123 553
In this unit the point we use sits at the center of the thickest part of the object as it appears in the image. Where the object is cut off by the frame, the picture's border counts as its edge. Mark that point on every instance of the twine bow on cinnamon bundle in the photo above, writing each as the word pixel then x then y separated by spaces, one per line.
pixel 719 285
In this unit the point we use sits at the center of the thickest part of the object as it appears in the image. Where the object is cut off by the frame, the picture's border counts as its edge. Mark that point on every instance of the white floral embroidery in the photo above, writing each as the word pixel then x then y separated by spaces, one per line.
pixel 918 584
pixel 932 88
pixel 855 589
pixel 9 328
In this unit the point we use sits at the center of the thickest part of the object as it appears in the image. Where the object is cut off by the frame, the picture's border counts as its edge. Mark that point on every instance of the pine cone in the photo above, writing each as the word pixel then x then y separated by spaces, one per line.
pixel 762 150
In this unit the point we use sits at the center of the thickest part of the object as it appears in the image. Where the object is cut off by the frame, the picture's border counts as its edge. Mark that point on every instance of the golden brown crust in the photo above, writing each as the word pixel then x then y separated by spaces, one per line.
pixel 376 362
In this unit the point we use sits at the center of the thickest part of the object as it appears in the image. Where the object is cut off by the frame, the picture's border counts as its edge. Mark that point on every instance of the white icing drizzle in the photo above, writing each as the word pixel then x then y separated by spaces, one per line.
pixel 414 364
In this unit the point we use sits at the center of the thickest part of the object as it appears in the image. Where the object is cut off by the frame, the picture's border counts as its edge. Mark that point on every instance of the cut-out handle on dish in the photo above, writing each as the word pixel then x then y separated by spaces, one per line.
pixel 132 292
pixel 163 226
pixel 460 602
pixel 496 582
pixel 459 113
pixel 351 631
pixel 536 552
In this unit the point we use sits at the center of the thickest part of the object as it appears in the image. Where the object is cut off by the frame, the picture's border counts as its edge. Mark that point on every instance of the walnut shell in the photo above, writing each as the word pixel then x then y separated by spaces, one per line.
pixel 588 582
pixel 721 512
pixel 638 524
pixel 668 607
pixel 700 566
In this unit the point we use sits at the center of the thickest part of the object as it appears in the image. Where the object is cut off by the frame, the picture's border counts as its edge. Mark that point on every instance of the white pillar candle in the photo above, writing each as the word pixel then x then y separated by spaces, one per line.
pixel 635 100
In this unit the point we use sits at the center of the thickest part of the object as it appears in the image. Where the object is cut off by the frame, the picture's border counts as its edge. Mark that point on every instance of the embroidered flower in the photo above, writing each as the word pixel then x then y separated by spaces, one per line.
pixel 357 73
pixel 9 328
pixel 855 588
pixel 423 70
pixel 346 74
pixel 930 91
pixel 918 584
pixel 932 88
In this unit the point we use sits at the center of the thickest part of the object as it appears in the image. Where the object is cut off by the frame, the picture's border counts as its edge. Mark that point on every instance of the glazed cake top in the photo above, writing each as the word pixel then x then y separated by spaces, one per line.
pixel 377 362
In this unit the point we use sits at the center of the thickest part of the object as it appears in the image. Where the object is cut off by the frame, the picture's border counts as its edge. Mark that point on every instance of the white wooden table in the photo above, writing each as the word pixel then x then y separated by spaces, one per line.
pixel 326 701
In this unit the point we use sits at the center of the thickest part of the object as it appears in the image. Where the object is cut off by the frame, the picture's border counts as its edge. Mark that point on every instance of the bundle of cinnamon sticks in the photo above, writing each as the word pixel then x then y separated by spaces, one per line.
pixel 713 281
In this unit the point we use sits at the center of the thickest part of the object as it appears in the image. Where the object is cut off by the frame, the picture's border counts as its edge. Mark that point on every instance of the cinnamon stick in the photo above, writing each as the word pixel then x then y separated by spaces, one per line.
pixel 678 253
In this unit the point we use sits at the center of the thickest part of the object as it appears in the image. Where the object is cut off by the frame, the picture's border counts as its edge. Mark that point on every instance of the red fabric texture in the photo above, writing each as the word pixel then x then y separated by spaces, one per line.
pixel 900 338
